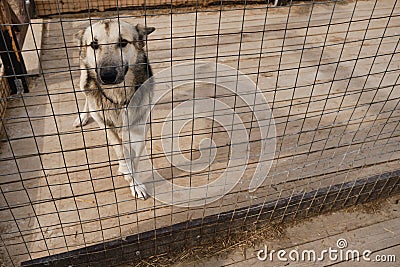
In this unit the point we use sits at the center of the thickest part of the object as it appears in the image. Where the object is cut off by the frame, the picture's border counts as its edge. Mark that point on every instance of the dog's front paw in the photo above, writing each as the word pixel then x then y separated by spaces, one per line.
pixel 82 120
pixel 123 169
pixel 139 190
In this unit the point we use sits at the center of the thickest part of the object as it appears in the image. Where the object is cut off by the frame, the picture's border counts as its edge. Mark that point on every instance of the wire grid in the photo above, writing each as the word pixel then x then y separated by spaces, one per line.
pixel 328 69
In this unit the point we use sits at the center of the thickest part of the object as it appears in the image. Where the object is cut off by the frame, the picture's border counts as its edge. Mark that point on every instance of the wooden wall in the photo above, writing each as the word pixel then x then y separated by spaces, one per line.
pixel 54 7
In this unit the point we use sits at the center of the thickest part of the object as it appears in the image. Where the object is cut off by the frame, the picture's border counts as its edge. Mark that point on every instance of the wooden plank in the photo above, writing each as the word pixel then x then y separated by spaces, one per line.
pixel 10 52
pixel 32 47
pixel 391 256
pixel 50 7
pixel 378 232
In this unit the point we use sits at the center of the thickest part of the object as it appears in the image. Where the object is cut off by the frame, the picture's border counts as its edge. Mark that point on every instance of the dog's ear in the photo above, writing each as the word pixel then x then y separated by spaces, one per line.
pixel 79 37
pixel 143 32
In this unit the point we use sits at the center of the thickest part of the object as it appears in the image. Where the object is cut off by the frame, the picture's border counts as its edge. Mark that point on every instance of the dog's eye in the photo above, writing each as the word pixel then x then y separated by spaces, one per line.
pixel 94 45
pixel 123 43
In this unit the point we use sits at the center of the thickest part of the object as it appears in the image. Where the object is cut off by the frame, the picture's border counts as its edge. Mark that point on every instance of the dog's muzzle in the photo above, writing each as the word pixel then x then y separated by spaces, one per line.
pixel 112 75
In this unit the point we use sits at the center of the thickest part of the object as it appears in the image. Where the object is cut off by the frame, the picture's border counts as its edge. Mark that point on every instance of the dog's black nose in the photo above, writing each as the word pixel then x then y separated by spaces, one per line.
pixel 108 75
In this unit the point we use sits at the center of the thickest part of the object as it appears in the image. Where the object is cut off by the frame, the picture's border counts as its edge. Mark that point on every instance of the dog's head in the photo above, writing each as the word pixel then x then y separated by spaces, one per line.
pixel 109 47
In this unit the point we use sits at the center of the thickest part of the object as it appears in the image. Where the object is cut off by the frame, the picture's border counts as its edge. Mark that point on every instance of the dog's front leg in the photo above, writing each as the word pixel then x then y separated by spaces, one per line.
pixel 137 188
pixel 135 144
pixel 83 117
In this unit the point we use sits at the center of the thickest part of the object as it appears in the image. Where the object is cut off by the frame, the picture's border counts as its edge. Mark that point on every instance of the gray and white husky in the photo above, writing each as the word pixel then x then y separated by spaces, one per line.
pixel 113 66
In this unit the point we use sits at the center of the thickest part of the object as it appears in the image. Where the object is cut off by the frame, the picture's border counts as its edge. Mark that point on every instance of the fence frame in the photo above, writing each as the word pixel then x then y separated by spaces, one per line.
pixel 202 231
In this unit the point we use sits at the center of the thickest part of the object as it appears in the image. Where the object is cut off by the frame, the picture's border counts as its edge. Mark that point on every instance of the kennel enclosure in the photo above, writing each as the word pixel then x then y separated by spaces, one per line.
pixel 329 71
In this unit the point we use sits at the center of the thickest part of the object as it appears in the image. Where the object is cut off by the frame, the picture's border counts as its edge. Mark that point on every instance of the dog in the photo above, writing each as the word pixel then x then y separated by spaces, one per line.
pixel 114 66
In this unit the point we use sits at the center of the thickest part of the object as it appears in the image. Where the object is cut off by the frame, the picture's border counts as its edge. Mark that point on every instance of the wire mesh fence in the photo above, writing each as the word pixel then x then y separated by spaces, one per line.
pixel 258 112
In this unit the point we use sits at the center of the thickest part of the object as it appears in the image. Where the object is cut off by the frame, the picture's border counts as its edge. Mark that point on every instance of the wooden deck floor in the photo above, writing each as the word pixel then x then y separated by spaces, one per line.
pixel 335 122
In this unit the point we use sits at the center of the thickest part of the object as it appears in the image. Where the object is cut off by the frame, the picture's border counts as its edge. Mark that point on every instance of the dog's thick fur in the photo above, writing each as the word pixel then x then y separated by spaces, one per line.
pixel 113 66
